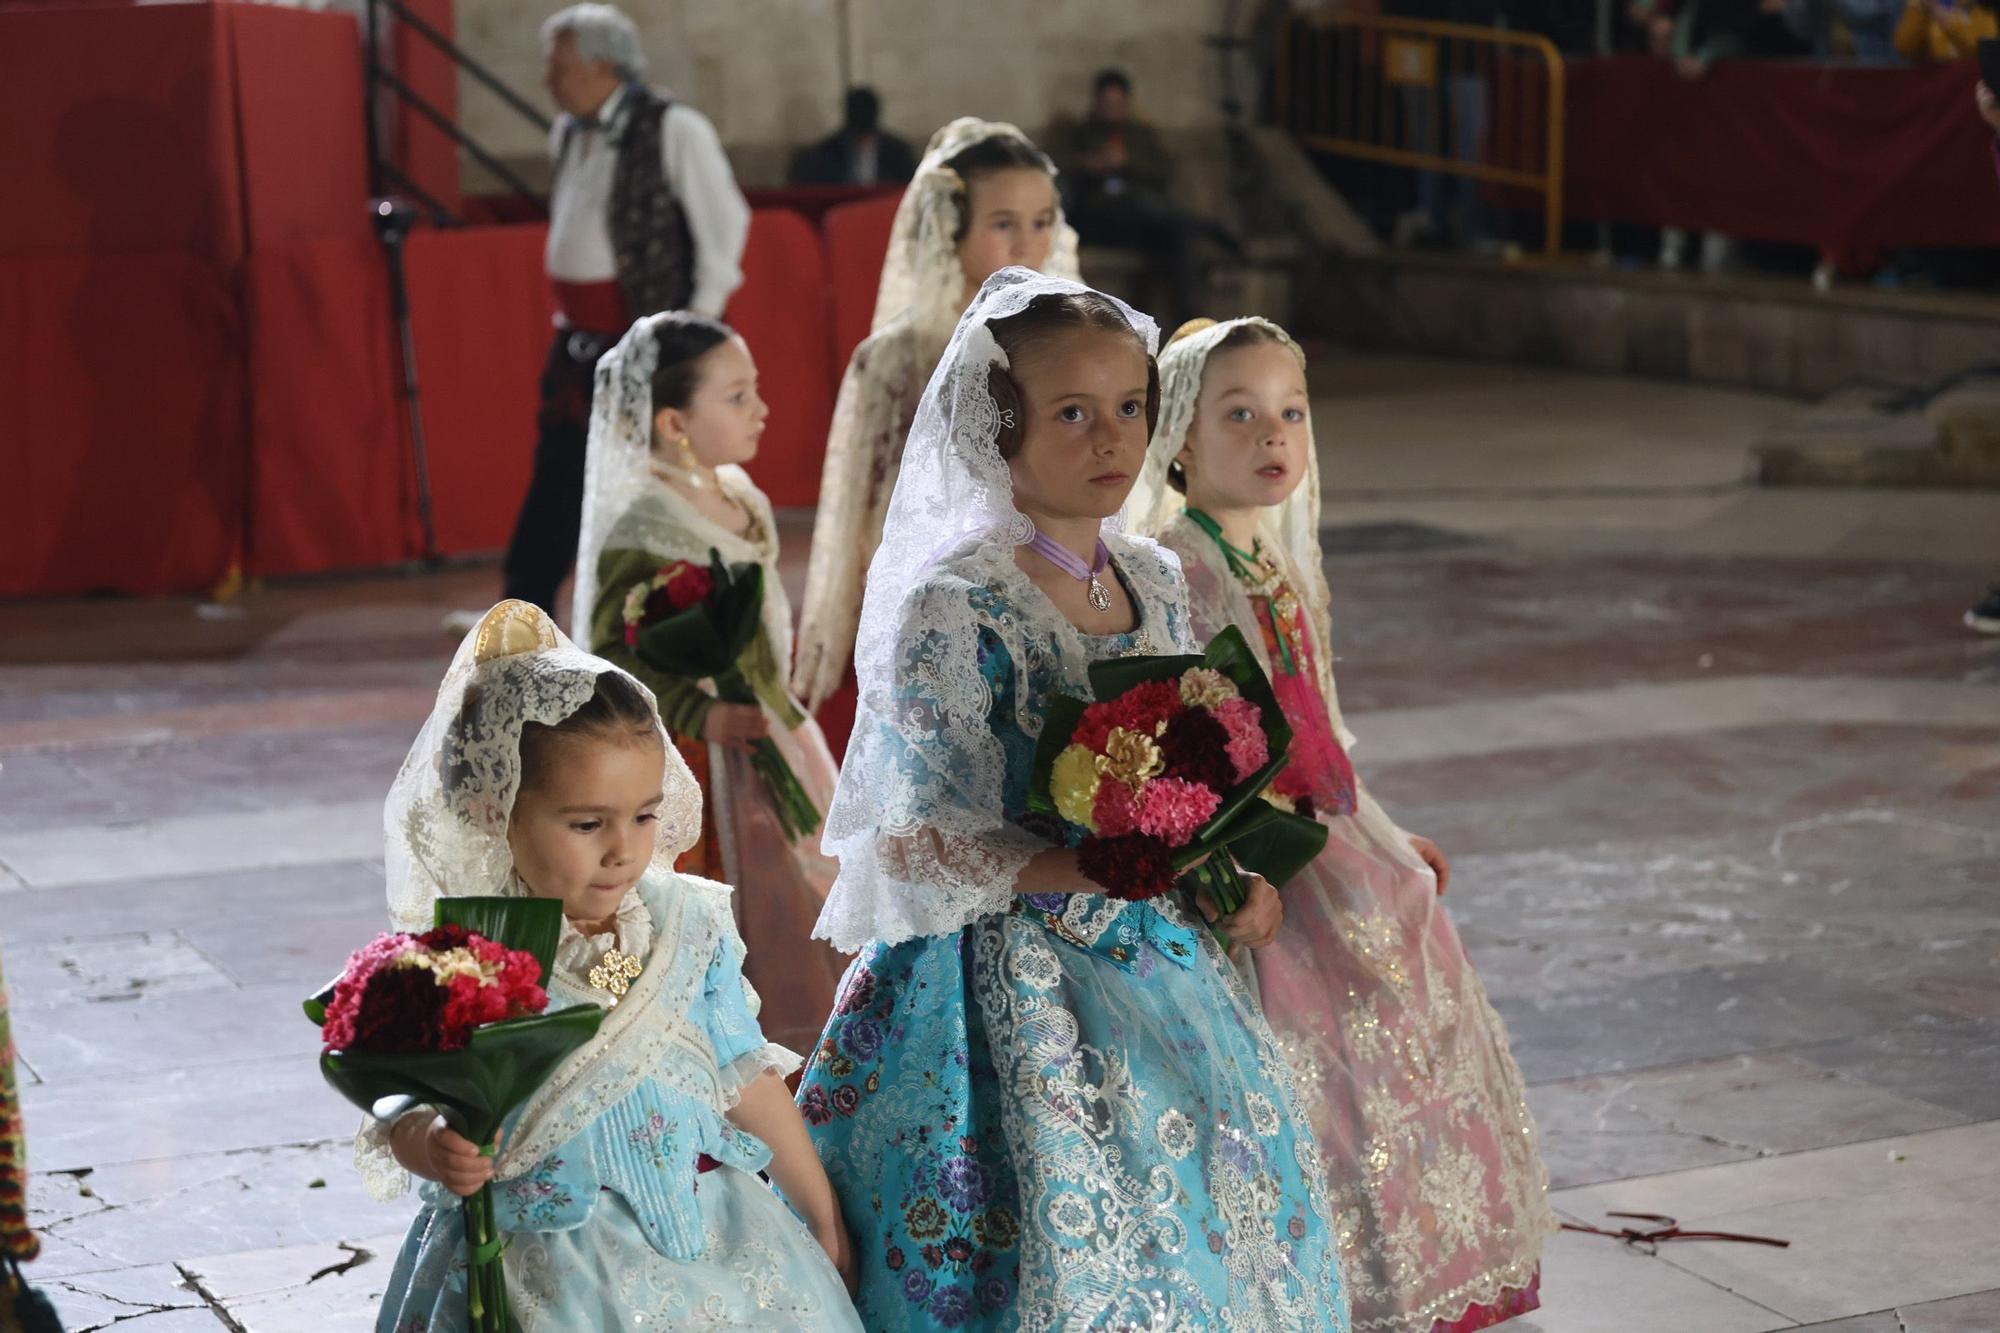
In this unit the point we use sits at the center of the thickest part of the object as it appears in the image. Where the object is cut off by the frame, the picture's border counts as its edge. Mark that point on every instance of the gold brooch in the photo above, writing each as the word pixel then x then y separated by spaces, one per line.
pixel 615 974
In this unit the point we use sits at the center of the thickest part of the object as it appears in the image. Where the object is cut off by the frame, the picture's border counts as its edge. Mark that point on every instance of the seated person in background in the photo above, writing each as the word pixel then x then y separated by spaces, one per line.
pixel 1938 31
pixel 859 152
pixel 1115 181
pixel 1871 29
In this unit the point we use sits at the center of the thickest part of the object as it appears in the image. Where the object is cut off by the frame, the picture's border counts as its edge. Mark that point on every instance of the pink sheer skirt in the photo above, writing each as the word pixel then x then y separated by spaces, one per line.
pixel 1403 1069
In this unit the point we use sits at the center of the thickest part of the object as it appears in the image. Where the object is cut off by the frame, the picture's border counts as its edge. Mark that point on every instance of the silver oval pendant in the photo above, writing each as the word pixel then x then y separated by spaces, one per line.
pixel 1099 597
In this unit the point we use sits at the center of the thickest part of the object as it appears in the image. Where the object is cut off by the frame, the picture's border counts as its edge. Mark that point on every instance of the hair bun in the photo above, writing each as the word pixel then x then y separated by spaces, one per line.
pixel 512 627
pixel 1189 329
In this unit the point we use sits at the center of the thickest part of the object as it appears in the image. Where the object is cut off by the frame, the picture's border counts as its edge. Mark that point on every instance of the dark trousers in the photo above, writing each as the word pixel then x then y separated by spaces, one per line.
pixel 544 543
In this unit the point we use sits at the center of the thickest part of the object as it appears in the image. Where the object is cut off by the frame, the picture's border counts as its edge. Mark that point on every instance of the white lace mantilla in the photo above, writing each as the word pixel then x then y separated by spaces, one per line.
pixel 916 306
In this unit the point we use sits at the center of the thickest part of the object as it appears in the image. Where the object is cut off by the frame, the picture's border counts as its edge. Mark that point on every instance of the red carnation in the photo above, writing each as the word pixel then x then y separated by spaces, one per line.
pixel 1141 708
pixel 1196 747
pixel 401 1010
pixel 440 938
pixel 1134 867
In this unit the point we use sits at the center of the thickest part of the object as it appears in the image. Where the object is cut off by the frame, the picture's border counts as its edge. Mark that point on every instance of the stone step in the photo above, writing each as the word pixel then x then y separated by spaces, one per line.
pixel 1853 438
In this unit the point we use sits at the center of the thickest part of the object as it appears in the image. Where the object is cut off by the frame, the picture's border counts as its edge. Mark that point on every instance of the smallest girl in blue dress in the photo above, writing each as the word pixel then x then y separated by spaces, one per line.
pixel 627 1185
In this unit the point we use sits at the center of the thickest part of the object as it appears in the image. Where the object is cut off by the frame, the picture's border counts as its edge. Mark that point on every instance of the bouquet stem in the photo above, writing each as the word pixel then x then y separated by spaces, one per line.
pixel 485 1283
pixel 1224 885
pixel 796 812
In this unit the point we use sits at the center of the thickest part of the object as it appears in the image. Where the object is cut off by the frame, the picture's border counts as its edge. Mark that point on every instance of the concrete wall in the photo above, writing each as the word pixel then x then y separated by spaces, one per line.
pixel 1756 334
pixel 768 72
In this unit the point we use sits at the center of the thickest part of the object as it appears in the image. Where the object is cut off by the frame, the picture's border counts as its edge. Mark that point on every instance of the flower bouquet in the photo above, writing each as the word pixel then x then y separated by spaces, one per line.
pixel 455 1019
pixel 1167 768
pixel 697 622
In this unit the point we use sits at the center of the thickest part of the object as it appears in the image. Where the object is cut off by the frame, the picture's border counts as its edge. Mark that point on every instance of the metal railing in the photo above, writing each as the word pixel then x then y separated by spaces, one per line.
pixel 383 78
pixel 1482 103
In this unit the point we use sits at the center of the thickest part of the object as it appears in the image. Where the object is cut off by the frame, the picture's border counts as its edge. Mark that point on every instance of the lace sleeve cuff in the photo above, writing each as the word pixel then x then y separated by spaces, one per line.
pixel 383 1176
pixel 747 1068
pixel 898 888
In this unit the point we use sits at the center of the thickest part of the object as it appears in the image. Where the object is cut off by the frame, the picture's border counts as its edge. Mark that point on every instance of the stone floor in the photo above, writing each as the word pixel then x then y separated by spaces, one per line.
pixel 1719 770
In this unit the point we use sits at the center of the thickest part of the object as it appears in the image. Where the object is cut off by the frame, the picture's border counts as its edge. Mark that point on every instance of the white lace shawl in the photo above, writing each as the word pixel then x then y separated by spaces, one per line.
pixel 678 921
pixel 917 820
pixel 1290 530
pixel 659 521
pixel 916 306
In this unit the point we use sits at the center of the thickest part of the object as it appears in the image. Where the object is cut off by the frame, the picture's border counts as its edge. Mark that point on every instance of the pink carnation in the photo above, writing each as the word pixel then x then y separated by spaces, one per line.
pixel 1248 750
pixel 1117 810
pixel 1172 810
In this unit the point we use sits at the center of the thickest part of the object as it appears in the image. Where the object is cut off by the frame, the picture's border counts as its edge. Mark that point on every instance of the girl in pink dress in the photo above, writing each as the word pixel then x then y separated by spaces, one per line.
pixel 1402 1063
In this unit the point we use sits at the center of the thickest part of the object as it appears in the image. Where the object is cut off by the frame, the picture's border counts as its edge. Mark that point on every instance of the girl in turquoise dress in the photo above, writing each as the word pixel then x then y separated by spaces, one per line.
pixel 1040 1105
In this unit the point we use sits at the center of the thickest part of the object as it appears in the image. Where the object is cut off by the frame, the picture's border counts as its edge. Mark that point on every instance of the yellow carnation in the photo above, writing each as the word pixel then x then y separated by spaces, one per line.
pixel 1203 687
pixel 1130 757
pixel 1073 783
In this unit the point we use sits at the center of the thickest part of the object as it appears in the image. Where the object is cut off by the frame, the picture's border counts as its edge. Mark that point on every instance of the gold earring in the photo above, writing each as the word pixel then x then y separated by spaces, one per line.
pixel 689 464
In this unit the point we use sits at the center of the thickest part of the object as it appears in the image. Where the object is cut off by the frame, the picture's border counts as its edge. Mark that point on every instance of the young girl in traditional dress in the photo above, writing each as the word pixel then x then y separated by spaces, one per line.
pixel 675 415
pixel 983 197
pixel 1041 1105
pixel 627 1184
pixel 1402 1064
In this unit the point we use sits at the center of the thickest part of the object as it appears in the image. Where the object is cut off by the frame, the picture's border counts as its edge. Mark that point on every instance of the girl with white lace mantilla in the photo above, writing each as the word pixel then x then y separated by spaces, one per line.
pixel 1041 1106
pixel 1401 1062
pixel 675 415
pixel 984 197
pixel 628 1183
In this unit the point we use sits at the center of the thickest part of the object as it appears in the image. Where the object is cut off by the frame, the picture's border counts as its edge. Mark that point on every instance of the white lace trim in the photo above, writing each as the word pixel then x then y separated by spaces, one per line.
pixel 631 933
pixel 747 1068
pixel 445 820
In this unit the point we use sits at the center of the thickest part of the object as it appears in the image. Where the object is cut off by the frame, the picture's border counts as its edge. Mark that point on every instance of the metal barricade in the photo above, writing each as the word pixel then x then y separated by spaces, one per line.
pixel 1481 103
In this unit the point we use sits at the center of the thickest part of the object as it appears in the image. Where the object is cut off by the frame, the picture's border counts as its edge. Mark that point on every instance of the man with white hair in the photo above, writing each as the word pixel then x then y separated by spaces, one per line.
pixel 644 216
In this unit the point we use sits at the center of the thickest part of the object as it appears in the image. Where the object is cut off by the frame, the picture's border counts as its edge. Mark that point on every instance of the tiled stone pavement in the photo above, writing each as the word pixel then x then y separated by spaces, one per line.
pixel 1721 798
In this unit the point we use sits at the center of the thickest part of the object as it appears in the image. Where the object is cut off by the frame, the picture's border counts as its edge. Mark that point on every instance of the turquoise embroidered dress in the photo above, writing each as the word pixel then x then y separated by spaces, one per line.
pixel 1065 1111
pixel 628 1198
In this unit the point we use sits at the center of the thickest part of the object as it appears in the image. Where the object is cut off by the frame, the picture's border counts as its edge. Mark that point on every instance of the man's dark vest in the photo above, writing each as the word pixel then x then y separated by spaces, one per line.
pixel 649 230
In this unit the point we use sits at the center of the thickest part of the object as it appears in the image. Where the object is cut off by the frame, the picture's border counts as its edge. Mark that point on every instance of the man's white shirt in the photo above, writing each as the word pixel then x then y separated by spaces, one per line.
pixel 697 171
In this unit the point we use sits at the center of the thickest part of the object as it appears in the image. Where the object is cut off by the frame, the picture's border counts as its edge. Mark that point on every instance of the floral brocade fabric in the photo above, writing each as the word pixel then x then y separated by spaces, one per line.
pixel 1401 1062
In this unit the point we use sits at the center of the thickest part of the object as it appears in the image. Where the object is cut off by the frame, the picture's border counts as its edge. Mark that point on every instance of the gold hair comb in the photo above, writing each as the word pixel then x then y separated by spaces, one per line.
pixel 512 627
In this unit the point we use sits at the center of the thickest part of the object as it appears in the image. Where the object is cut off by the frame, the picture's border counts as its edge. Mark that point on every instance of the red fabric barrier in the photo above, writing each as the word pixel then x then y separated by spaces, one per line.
pixel 814 202
pixel 1840 158
pixel 781 311
pixel 857 242
pixel 122 432
pixel 121 131
pixel 299 100
pixel 426 153
pixel 481 312
pixel 331 482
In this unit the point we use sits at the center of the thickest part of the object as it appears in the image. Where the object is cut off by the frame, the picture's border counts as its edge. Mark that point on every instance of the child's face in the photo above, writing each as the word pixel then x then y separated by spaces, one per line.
pixel 1246 448
pixel 724 417
pixel 585 831
pixel 1084 395
pixel 1012 221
